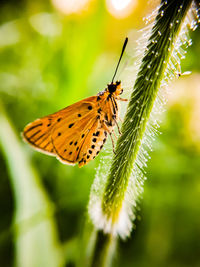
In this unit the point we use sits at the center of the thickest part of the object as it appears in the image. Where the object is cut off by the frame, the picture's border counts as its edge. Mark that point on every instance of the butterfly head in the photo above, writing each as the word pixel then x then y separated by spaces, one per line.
pixel 115 88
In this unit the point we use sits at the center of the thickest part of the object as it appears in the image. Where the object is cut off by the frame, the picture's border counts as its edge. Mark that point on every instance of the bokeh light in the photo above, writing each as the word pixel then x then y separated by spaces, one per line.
pixel 46 24
pixel 121 8
pixel 69 7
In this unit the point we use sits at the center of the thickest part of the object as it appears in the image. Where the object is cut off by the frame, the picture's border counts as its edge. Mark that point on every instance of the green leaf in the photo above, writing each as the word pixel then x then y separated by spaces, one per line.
pixel 33 224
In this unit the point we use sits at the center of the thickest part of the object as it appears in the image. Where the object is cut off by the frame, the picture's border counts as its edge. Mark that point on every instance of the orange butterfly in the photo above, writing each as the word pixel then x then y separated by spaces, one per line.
pixel 78 132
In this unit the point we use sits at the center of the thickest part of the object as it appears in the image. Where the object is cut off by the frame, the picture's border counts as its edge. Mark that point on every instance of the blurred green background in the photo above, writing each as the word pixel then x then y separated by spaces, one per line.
pixel 52 54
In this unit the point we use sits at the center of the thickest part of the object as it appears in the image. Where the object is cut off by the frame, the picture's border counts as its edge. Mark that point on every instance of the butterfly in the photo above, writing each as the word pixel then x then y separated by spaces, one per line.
pixel 78 132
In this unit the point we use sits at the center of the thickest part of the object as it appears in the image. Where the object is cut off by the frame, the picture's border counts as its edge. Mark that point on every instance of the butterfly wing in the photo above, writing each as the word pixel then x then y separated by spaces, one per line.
pixel 39 133
pixel 68 137
pixel 93 143
pixel 99 131
pixel 74 134
pixel 81 140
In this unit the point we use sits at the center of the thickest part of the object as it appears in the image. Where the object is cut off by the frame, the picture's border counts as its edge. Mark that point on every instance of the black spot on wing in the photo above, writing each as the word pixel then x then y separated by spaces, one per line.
pixel 96 134
pixel 70 125
pixel 106 117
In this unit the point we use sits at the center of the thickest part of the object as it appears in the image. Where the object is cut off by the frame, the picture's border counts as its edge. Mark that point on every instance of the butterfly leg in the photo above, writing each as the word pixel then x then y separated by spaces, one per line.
pixel 117 125
pixel 122 99
pixel 114 135
pixel 120 119
pixel 105 127
pixel 113 144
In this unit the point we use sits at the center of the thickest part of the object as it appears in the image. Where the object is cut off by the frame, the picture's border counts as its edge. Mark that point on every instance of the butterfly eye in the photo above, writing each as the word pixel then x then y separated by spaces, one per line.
pixel 112 87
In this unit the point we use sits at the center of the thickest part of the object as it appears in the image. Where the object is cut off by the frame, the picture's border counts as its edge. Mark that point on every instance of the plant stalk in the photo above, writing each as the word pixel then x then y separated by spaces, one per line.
pixel 154 63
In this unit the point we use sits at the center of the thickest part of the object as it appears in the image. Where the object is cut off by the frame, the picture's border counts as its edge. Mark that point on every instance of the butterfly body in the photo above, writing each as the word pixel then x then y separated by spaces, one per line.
pixel 78 132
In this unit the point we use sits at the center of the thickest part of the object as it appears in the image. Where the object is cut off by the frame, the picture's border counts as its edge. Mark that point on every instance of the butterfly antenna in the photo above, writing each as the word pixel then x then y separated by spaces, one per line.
pixel 123 48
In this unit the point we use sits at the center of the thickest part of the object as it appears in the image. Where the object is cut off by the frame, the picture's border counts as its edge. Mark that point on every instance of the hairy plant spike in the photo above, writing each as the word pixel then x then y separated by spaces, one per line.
pixel 113 198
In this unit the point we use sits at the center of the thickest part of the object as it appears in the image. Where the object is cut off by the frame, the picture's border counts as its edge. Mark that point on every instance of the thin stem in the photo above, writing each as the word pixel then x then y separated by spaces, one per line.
pixel 103 250
pixel 153 66
pixel 113 215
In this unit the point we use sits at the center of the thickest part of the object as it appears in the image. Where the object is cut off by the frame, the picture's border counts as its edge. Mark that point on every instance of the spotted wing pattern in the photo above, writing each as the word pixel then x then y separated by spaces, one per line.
pixel 39 133
pixel 76 133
